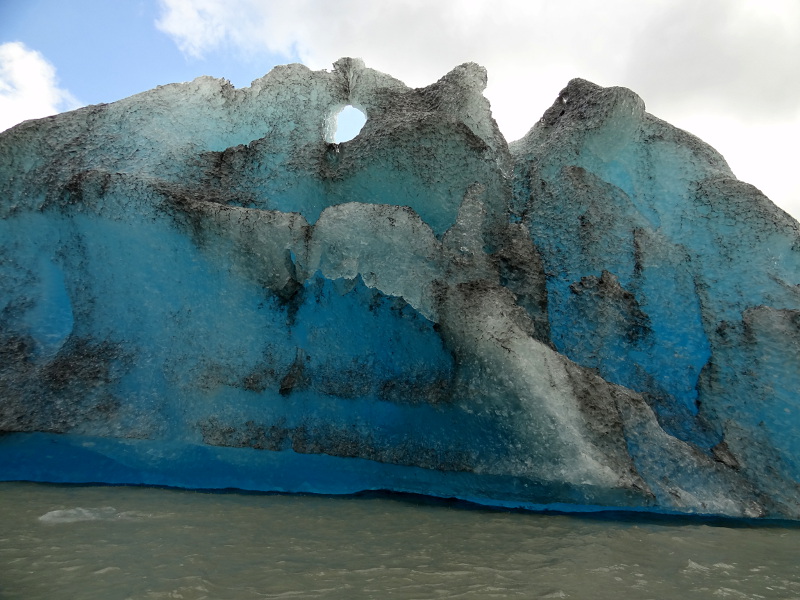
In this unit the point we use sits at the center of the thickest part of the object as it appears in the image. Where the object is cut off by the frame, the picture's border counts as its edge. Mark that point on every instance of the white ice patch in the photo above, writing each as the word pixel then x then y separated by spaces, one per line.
pixel 78 514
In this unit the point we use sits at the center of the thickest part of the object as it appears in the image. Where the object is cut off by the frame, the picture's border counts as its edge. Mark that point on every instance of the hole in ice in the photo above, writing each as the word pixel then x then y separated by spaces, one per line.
pixel 349 122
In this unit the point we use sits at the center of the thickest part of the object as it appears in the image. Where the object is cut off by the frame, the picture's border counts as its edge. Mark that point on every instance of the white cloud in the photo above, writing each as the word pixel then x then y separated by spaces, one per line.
pixel 760 153
pixel 198 25
pixel 735 59
pixel 28 86
pixel 738 57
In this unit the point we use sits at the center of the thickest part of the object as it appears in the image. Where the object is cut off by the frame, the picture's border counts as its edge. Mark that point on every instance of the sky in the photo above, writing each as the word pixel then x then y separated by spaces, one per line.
pixel 725 70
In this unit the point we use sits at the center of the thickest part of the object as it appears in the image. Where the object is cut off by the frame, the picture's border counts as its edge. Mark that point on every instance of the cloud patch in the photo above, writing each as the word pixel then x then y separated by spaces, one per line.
pixel 28 86
pixel 740 58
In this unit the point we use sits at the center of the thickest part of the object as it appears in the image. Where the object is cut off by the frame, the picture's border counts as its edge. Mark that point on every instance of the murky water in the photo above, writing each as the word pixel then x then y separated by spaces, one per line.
pixel 108 543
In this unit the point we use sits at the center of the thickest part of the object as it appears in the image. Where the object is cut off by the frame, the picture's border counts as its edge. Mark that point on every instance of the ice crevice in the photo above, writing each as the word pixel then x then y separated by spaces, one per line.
pixel 200 288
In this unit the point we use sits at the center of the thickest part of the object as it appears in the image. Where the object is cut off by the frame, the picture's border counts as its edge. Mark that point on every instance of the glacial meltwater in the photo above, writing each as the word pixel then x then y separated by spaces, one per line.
pixel 107 543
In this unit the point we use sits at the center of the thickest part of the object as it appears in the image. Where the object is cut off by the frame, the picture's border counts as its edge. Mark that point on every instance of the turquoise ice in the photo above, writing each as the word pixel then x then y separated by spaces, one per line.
pixel 199 289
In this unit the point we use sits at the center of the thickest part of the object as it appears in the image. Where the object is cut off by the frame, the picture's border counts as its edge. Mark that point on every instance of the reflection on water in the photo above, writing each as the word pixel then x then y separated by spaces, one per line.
pixel 122 542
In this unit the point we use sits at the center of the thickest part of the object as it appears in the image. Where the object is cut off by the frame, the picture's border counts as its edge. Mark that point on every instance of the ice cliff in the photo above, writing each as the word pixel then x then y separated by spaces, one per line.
pixel 197 289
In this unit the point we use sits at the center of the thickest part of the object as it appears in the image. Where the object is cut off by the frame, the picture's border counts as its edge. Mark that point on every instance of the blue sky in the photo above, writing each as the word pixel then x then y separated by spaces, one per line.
pixel 105 50
pixel 725 70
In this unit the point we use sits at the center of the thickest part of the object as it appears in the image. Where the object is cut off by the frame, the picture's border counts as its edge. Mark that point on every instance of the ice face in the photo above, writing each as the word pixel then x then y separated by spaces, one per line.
pixel 200 290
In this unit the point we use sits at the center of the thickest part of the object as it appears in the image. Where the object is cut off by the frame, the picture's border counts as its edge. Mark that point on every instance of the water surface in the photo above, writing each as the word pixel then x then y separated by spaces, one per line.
pixel 109 543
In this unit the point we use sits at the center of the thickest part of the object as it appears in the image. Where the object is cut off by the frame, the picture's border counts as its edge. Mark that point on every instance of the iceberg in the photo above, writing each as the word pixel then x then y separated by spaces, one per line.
pixel 198 289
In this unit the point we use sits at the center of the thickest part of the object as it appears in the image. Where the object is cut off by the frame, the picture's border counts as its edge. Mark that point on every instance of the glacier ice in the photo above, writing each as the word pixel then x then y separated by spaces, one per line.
pixel 199 290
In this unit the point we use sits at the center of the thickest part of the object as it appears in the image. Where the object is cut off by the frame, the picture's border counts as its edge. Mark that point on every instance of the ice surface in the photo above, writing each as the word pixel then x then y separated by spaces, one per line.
pixel 199 290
